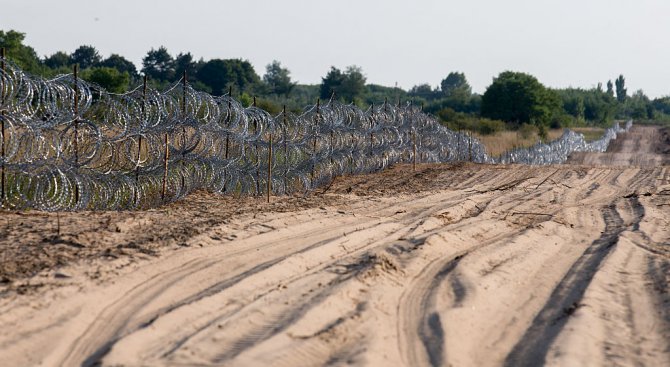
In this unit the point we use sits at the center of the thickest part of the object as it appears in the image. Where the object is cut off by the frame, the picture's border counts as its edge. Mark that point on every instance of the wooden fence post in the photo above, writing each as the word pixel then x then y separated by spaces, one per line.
pixel 139 142
pixel 2 118
pixel 76 129
pixel 269 188
pixel 228 120
pixel 285 150
pixel 316 124
pixel 258 159
pixel 413 138
pixel 183 128
pixel 165 166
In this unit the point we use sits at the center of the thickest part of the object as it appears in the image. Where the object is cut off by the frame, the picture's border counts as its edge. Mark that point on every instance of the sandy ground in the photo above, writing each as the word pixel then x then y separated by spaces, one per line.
pixel 461 265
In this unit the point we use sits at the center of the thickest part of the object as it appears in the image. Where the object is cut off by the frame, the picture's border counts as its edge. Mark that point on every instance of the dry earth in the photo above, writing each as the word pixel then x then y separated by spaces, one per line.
pixel 461 265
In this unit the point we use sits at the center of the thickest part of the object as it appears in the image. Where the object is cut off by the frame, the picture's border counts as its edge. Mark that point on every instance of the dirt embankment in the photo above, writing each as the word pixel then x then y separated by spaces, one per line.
pixel 464 265
pixel 641 146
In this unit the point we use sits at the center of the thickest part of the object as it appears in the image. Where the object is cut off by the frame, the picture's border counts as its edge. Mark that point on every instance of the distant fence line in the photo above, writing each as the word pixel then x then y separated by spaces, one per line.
pixel 70 145
pixel 558 150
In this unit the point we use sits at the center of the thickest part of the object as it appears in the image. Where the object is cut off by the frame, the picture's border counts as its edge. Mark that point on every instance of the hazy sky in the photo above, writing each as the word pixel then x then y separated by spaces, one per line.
pixel 562 42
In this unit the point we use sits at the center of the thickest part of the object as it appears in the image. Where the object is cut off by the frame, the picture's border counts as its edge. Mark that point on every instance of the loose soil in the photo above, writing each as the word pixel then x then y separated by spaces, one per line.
pixel 454 264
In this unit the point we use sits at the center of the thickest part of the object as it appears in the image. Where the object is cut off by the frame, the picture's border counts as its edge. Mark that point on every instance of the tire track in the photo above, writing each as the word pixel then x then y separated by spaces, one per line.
pixel 533 346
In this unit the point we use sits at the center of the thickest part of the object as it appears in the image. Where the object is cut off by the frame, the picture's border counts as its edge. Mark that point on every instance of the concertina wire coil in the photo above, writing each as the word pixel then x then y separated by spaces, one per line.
pixel 70 145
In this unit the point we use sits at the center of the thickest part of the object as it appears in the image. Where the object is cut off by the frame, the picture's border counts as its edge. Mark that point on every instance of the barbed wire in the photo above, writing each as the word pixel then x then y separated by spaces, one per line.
pixel 70 145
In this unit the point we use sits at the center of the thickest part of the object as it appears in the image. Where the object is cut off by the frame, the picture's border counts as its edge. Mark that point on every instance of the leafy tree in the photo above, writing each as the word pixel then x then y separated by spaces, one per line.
pixel 519 98
pixel 573 102
pixel 24 56
pixel 278 79
pixel 159 65
pixel 220 74
pixel 377 93
pixel 58 60
pixel 85 57
pixel 620 88
pixel 111 79
pixel 599 106
pixel 610 88
pixel 332 82
pixel 184 63
pixel 455 84
pixel 347 86
pixel 638 106
pixel 423 91
pixel 121 64
pixel 354 83
pixel 662 105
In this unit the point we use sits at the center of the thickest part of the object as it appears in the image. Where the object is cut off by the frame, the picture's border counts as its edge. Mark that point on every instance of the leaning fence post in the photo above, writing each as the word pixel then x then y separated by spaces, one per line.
pixel 2 119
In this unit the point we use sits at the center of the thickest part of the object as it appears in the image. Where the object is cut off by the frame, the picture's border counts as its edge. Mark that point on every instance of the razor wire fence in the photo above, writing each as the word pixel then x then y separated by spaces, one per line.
pixel 71 145
pixel 558 150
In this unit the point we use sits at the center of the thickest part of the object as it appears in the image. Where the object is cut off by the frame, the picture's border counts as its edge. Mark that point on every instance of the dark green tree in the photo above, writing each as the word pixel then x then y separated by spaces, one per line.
pixel 121 64
pixel 662 105
pixel 573 102
pixel 58 60
pixel 159 65
pixel 455 84
pixel 184 63
pixel 610 88
pixel 111 79
pixel 423 91
pixel 220 74
pixel 520 98
pixel 24 56
pixel 620 83
pixel 278 79
pixel 347 86
pixel 86 57
pixel 639 106
pixel 599 106
pixel 331 83
pixel 354 83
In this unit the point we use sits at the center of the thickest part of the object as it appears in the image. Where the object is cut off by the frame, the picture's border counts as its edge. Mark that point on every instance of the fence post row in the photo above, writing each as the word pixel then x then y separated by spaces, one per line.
pixel 304 153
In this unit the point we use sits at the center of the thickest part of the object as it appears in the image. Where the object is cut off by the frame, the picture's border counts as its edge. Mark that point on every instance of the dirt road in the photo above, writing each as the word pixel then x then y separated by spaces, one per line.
pixel 462 265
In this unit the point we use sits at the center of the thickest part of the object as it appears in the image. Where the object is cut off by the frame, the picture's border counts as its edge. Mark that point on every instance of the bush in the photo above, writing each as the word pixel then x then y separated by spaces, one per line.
pixel 489 127
pixel 526 131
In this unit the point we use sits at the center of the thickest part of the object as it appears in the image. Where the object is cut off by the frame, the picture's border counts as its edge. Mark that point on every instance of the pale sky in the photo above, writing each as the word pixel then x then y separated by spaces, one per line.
pixel 563 43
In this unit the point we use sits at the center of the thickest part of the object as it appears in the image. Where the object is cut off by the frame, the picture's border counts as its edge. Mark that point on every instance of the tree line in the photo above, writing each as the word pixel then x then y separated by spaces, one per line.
pixel 513 100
